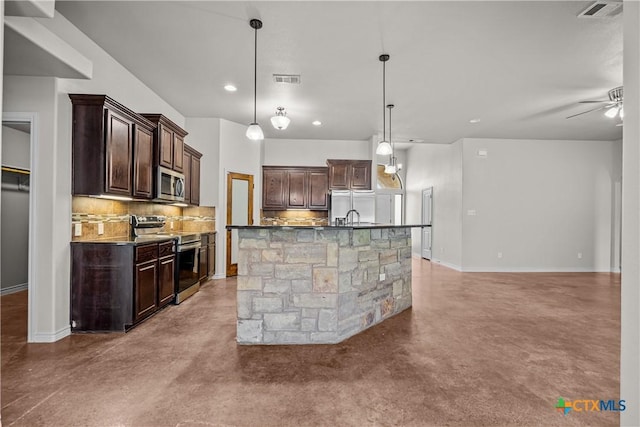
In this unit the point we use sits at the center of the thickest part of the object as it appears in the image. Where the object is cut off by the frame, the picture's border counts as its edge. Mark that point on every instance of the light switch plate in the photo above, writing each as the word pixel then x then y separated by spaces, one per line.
pixel 100 228
pixel 77 229
pixel 382 276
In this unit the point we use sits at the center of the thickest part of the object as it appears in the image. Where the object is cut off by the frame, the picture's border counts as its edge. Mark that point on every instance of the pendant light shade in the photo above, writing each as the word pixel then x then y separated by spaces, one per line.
pixel 391 167
pixel 254 131
pixel 280 121
pixel 384 148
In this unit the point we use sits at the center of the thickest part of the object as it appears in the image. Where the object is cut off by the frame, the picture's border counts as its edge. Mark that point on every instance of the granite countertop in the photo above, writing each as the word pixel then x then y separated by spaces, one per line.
pixel 128 240
pixel 323 227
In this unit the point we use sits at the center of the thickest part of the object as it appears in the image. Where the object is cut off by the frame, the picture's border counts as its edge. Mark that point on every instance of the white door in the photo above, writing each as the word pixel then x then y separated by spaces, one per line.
pixel 427 208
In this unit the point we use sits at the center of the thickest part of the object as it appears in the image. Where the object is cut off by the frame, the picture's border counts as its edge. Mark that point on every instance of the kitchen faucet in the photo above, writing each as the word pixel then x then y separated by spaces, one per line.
pixel 350 212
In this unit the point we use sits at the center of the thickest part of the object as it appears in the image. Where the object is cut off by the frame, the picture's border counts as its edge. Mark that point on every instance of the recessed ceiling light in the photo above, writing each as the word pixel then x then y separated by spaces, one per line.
pixel 316 122
pixel 474 121
pixel 230 88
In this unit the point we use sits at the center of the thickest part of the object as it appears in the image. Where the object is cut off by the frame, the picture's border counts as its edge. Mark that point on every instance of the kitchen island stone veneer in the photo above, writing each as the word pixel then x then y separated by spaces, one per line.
pixel 302 285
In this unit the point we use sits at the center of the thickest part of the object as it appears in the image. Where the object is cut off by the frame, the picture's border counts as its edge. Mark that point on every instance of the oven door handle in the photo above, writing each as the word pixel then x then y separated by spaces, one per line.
pixel 189 246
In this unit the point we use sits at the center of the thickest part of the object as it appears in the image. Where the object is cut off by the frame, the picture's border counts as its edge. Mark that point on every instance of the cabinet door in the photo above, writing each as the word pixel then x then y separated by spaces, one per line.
pixel 143 163
pixel 339 174
pixel 360 175
pixel 211 264
pixel 318 190
pixel 297 186
pixel 195 180
pixel 273 188
pixel 178 153
pixel 119 151
pixel 145 295
pixel 166 147
pixel 187 177
pixel 204 257
pixel 166 280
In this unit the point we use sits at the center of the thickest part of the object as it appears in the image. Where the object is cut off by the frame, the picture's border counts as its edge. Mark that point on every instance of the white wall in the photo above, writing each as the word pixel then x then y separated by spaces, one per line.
pixel 539 203
pixel 15 148
pixel 313 152
pixel 440 167
pixel 630 298
pixel 237 154
pixel 204 136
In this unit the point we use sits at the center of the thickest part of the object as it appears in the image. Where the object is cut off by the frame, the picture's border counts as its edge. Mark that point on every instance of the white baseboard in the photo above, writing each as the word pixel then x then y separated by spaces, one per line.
pixel 532 270
pixel 13 289
pixel 218 276
pixel 447 264
pixel 51 337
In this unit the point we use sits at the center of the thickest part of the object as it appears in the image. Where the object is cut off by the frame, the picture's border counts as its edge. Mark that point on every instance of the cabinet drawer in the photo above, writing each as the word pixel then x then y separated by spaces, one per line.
pixel 166 249
pixel 146 253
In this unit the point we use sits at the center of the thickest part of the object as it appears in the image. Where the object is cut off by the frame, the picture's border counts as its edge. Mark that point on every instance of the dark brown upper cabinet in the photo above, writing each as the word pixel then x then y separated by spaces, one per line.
pixel 191 161
pixel 349 174
pixel 294 188
pixel 168 142
pixel 110 149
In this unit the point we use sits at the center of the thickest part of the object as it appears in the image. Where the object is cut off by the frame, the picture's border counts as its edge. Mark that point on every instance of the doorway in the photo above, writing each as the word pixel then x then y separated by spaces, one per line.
pixel 427 215
pixel 239 212
pixel 18 240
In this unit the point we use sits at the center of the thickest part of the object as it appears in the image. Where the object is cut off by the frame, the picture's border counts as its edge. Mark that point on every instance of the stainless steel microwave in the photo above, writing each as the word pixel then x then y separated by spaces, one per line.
pixel 170 185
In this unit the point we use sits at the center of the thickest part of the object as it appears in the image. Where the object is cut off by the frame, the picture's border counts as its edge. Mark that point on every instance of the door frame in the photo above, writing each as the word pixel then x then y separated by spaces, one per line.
pixel 232 269
pixel 427 221
pixel 32 263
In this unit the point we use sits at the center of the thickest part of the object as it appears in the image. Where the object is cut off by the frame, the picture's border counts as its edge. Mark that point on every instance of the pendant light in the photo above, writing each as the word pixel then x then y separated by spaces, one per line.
pixel 280 121
pixel 391 167
pixel 384 148
pixel 254 131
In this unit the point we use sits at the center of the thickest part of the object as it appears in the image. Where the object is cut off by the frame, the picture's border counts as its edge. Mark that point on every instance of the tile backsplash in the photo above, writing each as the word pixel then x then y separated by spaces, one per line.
pixel 294 217
pixel 115 217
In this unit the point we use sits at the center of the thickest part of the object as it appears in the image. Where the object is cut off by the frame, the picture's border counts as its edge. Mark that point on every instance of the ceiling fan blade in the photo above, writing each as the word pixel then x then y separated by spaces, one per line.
pixel 592 101
pixel 588 111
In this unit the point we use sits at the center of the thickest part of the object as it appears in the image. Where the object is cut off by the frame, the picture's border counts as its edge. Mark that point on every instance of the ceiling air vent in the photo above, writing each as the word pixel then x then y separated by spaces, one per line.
pixel 601 9
pixel 293 79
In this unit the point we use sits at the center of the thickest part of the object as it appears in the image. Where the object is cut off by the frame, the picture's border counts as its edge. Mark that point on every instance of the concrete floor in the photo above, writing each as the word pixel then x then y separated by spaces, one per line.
pixel 475 349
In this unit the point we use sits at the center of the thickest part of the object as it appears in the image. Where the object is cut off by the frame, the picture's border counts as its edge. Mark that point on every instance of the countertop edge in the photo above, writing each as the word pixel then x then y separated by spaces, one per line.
pixel 323 227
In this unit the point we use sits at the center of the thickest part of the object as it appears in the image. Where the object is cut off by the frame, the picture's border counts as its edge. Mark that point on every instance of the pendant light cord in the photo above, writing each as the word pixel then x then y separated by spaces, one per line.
pixel 255 73
pixel 384 103
pixel 390 142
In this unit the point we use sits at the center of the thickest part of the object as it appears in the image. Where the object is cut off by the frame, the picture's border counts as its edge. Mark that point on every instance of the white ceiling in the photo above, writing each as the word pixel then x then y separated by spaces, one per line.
pixel 520 67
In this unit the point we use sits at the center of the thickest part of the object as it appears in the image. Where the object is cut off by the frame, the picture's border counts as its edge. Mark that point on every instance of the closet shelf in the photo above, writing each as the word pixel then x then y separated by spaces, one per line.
pixel 16 170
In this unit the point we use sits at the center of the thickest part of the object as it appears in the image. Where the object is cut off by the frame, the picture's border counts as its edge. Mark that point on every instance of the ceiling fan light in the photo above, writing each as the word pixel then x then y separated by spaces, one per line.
pixel 384 149
pixel 254 132
pixel 611 112
pixel 621 112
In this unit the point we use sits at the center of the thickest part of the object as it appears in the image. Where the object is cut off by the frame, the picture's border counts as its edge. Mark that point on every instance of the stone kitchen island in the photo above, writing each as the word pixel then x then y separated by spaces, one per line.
pixel 303 285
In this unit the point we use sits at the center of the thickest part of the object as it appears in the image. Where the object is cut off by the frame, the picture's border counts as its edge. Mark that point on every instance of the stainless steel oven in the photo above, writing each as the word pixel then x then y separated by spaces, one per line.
pixel 187 266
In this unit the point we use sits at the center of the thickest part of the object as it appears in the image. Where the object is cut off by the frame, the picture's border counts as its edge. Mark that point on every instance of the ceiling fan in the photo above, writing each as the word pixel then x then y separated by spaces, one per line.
pixel 613 106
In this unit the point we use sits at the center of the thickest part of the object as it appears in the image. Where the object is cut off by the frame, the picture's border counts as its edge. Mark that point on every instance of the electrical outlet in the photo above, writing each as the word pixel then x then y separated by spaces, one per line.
pixel 77 229
pixel 471 212
pixel 100 228
pixel 382 276
pixel 579 255
pixel 171 225
pixel 499 254
pixel 441 250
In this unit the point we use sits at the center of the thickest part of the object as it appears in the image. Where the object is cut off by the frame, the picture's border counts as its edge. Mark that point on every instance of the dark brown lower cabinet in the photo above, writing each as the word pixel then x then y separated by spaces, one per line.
pixel 115 286
pixel 211 263
pixel 207 256
pixel 203 262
